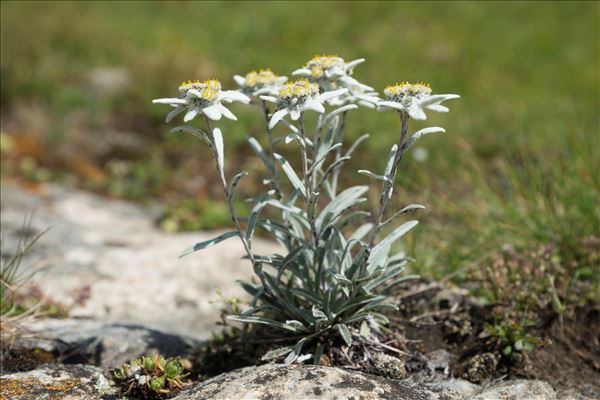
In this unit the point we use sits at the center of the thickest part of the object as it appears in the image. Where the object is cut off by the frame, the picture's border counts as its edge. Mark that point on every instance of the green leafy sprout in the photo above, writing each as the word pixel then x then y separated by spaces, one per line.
pixel 514 337
pixel 151 375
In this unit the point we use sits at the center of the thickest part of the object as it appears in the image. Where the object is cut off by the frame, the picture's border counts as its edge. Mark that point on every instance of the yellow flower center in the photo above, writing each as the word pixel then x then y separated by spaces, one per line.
pixel 318 64
pixel 260 78
pixel 208 89
pixel 400 90
pixel 299 89
pixel 211 89
pixel 187 85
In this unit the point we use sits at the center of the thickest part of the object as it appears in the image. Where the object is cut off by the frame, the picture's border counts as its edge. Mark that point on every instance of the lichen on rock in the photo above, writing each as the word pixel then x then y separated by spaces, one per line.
pixel 57 381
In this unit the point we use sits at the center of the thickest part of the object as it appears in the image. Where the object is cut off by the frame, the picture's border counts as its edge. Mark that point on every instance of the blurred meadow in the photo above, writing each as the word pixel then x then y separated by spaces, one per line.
pixel 518 164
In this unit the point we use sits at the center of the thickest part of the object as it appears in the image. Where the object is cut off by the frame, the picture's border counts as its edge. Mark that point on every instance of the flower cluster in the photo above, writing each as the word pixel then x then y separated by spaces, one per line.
pixel 333 270
pixel 202 97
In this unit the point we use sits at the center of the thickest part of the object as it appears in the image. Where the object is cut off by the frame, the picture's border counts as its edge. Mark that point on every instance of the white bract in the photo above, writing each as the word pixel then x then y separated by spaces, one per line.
pixel 413 98
pixel 363 98
pixel 332 72
pixel 260 83
pixel 299 96
pixel 202 97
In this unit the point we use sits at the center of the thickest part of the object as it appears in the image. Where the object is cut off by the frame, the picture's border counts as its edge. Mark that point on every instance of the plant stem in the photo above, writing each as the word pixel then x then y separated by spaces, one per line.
pixel 228 198
pixel 271 149
pixel 386 186
pixel 316 145
pixel 314 235
pixel 304 159
pixel 338 153
pixel 313 228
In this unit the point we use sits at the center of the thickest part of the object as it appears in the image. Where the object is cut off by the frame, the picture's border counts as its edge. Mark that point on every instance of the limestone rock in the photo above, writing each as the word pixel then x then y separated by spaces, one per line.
pixel 309 382
pixel 56 381
pixel 102 344
pixel 518 389
pixel 108 261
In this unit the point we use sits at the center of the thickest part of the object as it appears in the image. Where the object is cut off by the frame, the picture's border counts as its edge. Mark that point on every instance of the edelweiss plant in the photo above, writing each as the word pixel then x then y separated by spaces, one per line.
pixel 334 265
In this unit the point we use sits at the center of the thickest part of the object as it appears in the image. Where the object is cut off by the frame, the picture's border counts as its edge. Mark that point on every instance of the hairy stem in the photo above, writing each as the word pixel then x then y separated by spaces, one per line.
pixel 338 153
pixel 307 183
pixel 228 198
pixel 316 145
pixel 271 149
pixel 314 235
pixel 304 159
pixel 386 186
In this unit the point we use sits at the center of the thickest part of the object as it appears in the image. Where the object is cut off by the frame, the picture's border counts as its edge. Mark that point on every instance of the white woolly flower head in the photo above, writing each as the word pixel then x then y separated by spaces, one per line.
pixel 202 97
pixel 296 97
pixel 300 91
pixel 414 99
pixel 404 91
pixel 331 72
pixel 263 81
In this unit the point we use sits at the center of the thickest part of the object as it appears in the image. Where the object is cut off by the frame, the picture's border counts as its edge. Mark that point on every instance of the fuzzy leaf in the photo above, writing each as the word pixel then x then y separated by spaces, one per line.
pixel 208 243
pixel 374 176
pixel 351 217
pixel 390 162
pixel 293 136
pixel 340 110
pixel 306 295
pixel 365 331
pixel 323 152
pixel 287 261
pixel 261 153
pixel 389 274
pixel 262 320
pixel 404 210
pixel 348 198
pixel 295 352
pixel 345 333
pixel 318 353
pixel 276 353
pixel 419 134
pixel 360 301
pixel 234 184
pixel 291 174
pixel 218 142
pixel 318 313
pixel 194 131
pixel 249 287
pixel 254 218
pixel 361 232
pixel 334 165
pixel 383 247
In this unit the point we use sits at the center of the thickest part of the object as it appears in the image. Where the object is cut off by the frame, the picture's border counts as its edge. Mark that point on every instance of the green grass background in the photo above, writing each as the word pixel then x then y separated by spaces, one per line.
pixel 519 162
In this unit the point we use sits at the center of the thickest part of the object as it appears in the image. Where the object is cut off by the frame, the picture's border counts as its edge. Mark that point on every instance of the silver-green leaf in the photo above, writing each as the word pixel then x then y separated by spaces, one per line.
pixel 345 333
pixel 291 174
pixel 219 149
pixel 208 243
pixel 261 153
